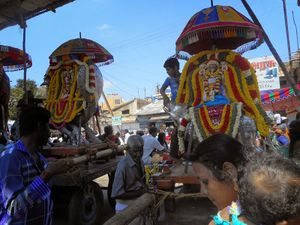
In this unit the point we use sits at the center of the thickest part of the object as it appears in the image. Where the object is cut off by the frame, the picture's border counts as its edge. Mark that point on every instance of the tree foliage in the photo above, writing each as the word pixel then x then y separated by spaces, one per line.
pixel 16 93
pixel 30 85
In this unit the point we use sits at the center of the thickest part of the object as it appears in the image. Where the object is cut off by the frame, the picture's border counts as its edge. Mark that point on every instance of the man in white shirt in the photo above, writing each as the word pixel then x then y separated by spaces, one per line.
pixel 150 144
pixel 126 136
pixel 277 118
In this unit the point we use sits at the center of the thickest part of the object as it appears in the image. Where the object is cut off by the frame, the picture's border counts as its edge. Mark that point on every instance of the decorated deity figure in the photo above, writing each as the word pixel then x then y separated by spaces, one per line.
pixel 75 85
pixel 74 88
pixel 220 90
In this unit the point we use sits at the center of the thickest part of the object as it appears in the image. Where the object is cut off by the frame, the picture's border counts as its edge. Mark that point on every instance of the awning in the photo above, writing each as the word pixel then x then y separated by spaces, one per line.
pixel 277 95
pixel 159 118
pixel 279 99
pixel 16 12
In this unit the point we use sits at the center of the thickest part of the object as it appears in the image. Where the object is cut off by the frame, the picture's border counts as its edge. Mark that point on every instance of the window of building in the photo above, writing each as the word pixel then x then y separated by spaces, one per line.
pixel 117 101
pixel 124 112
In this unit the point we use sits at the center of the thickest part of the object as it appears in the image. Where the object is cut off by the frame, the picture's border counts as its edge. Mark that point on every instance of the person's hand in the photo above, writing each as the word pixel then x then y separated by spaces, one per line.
pixel 58 167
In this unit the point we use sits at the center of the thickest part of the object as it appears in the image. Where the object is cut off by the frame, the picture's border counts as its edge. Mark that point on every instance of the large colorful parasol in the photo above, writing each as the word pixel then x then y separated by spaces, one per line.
pixel 219 26
pixel 12 59
pixel 79 48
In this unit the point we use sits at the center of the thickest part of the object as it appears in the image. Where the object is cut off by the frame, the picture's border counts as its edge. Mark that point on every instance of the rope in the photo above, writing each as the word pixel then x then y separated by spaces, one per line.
pixel 166 194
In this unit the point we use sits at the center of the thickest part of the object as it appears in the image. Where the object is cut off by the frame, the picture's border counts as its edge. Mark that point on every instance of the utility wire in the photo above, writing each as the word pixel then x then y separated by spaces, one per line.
pixel 116 86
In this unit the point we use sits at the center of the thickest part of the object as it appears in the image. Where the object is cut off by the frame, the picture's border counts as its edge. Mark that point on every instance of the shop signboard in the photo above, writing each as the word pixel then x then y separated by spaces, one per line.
pixel 116 120
pixel 267 72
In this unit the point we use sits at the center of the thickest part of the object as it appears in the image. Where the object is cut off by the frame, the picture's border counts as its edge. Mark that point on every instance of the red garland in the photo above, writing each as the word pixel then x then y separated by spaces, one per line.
pixel 241 62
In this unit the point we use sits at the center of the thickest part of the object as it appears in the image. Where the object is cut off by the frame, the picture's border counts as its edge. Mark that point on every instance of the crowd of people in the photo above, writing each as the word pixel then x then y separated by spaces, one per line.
pixel 247 186
pixel 284 136
pixel 154 139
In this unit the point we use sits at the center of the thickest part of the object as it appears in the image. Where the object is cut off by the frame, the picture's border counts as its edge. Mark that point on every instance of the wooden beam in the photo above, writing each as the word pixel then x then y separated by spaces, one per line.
pixel 133 211
pixel 287 74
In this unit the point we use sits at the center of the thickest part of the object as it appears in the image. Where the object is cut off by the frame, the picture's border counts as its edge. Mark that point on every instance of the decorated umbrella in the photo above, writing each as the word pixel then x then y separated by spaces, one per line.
pixel 12 59
pixel 79 48
pixel 219 26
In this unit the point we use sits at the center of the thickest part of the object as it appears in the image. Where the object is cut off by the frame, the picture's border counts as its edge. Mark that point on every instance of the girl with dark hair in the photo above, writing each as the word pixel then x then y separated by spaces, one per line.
pixel 162 140
pixel 218 162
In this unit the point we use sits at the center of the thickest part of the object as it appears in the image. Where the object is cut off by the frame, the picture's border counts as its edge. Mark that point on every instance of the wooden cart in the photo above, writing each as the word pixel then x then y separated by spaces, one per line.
pixel 76 189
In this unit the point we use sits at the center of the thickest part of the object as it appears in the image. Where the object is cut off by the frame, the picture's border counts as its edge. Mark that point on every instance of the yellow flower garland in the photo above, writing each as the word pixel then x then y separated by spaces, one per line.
pixel 247 100
pixel 75 99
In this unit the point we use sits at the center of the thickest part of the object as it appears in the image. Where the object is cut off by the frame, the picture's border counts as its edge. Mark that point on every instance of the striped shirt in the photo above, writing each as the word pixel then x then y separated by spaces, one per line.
pixel 24 196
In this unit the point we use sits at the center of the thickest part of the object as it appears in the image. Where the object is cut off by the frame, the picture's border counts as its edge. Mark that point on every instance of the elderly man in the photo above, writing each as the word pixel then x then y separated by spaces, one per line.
pixel 129 178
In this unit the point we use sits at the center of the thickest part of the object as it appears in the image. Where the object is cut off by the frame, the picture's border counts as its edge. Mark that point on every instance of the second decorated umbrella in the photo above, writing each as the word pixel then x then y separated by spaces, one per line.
pixel 220 26
pixel 81 47
pixel 12 59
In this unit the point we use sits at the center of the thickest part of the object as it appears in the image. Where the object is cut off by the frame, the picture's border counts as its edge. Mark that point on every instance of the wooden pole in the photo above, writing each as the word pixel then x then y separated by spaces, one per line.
pixel 133 211
pixel 98 124
pixel 189 150
pixel 109 108
pixel 287 32
pixel 286 73
pixel 25 66
pixel 99 155
pixel 108 105
pixel 297 38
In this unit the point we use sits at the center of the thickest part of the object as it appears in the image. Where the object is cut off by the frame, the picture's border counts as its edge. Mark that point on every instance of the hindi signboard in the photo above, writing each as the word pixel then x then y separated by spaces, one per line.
pixel 267 72
pixel 116 120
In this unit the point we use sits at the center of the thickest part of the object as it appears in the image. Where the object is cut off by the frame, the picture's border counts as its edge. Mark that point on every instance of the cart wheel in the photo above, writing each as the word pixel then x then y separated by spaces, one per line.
pixel 111 201
pixel 85 205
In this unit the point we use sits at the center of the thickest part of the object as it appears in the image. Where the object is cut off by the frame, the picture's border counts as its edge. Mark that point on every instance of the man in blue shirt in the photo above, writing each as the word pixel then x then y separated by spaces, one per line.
pixel 24 173
pixel 172 68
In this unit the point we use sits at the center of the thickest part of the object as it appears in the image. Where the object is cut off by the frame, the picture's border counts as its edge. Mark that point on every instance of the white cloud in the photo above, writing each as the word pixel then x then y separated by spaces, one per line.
pixel 103 27
pixel 107 84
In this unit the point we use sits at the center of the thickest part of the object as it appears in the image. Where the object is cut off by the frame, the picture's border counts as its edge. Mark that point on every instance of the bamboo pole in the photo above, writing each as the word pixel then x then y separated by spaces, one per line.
pixel 287 32
pixel 25 66
pixel 98 155
pixel 109 108
pixel 108 105
pixel 133 211
pixel 286 73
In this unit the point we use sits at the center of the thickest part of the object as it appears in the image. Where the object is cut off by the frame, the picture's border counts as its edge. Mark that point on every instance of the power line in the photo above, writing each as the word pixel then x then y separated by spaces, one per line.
pixel 124 91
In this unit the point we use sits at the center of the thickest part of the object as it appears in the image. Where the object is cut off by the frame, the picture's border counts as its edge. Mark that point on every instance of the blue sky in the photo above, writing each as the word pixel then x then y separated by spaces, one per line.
pixel 139 34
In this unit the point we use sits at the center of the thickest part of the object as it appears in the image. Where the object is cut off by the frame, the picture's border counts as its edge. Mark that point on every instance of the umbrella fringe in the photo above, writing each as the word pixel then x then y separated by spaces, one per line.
pixel 105 63
pixel 16 67
pixel 228 32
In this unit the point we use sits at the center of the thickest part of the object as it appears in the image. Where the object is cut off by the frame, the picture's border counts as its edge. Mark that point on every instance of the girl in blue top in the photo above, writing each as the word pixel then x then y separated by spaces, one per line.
pixel 218 163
